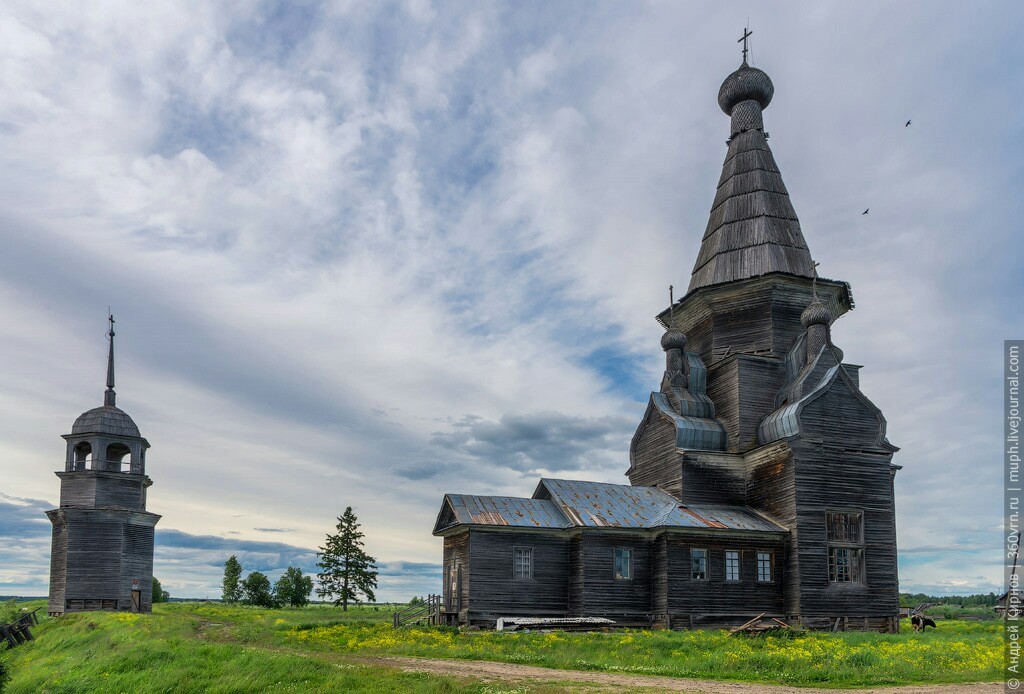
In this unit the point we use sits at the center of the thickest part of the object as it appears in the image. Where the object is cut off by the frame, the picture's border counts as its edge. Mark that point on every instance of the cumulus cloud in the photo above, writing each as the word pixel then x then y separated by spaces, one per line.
pixel 538 442
pixel 356 250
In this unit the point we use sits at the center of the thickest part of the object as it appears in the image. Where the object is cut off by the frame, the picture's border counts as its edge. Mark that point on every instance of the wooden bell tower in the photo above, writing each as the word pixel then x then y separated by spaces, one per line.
pixel 102 549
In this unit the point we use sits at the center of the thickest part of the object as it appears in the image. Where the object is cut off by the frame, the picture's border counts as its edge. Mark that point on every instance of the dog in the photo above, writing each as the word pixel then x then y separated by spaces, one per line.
pixel 920 622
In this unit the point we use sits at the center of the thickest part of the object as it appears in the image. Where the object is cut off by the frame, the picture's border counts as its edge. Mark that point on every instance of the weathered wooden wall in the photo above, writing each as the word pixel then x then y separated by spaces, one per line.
pixel 655 462
pixel 456 554
pixel 496 593
pixel 713 478
pixel 603 594
pixel 715 600
pixel 97 553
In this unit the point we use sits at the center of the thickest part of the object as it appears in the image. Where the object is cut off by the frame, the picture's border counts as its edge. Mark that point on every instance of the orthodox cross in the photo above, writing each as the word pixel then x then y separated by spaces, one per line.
pixel 814 282
pixel 746 33
pixel 671 306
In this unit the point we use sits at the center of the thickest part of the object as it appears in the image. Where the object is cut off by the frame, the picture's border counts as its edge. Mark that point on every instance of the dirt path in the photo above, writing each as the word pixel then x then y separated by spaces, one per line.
pixel 523 674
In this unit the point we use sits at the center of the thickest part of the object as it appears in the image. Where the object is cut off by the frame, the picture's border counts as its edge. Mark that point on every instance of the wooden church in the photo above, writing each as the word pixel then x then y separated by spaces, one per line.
pixel 760 475
pixel 101 555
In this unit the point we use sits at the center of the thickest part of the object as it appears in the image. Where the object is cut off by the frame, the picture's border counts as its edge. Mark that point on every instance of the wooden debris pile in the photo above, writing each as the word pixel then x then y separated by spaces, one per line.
pixel 759 625
pixel 560 623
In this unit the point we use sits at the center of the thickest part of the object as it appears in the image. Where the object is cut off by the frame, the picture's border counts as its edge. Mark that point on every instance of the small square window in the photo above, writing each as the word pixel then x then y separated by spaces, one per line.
pixel 522 563
pixel 764 567
pixel 623 563
pixel 698 564
pixel 732 565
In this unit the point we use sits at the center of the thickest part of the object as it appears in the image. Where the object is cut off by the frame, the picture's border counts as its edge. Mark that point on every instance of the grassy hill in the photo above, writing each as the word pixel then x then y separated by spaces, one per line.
pixel 210 647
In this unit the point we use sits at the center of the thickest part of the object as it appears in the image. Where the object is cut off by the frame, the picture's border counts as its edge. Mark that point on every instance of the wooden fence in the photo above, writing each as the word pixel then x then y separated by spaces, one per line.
pixel 428 611
pixel 19 631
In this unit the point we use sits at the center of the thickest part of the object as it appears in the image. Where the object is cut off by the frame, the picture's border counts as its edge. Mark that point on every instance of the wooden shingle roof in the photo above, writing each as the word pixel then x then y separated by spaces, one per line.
pixel 753 228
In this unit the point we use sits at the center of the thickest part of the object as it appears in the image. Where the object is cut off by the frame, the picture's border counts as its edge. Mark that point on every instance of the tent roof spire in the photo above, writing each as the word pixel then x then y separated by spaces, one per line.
pixel 753 228
pixel 109 397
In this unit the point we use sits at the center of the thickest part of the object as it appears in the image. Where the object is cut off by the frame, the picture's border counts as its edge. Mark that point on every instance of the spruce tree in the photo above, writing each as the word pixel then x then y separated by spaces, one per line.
pixel 231 591
pixel 346 571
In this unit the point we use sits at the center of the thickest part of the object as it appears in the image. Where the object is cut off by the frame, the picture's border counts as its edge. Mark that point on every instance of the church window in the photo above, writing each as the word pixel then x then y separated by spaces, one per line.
pixel 764 567
pixel 698 564
pixel 732 565
pixel 522 566
pixel 623 563
pixel 845 546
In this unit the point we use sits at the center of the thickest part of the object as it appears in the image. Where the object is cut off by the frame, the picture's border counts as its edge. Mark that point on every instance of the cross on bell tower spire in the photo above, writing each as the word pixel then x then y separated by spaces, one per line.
pixel 746 35
pixel 109 396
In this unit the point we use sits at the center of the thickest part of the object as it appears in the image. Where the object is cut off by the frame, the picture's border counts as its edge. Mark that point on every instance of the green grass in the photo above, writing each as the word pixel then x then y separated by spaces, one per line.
pixel 170 651
pixel 218 648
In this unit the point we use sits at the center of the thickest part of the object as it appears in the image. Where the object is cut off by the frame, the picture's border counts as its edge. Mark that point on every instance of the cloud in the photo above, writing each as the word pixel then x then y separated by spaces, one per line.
pixel 538 441
pixel 274 530
pixel 365 254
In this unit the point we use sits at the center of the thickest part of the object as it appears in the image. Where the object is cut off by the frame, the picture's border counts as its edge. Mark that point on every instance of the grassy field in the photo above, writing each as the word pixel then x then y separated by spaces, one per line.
pixel 211 647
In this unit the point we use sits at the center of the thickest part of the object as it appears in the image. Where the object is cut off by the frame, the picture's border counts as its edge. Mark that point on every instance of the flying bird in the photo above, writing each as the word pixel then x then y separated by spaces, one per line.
pixel 907 125
pixel 865 212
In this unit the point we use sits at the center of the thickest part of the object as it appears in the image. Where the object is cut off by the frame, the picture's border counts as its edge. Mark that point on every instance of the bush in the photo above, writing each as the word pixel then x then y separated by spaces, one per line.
pixel 5 674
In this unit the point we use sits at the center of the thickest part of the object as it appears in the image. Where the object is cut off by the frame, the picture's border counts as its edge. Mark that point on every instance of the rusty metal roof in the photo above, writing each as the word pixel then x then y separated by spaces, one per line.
pixel 563 504
pixel 467 509
pixel 598 504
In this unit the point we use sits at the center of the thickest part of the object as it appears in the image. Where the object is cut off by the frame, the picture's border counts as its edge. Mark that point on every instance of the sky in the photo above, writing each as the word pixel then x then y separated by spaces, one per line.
pixel 366 253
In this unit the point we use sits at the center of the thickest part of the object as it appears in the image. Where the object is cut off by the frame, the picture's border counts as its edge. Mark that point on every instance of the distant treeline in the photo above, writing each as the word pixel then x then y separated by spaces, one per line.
pixel 977 600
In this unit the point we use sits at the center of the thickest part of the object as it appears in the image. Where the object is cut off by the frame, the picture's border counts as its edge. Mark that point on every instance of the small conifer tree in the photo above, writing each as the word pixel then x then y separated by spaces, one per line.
pixel 346 570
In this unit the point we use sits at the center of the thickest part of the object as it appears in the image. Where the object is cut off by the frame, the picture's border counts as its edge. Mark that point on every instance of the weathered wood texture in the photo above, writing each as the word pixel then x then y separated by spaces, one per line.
pixel 457 559
pixel 713 478
pixel 715 596
pixel 103 489
pixel 655 462
pixel 603 594
pixel 743 388
pixel 495 591
pixel 760 315
pixel 577 585
pixel 100 552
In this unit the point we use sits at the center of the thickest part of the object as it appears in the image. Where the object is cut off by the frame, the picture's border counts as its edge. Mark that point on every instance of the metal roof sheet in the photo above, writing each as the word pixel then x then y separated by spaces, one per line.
pixel 505 510
pixel 563 504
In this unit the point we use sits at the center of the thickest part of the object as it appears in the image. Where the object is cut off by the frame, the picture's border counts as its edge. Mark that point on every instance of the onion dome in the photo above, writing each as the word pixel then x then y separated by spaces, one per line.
pixel 106 420
pixel 746 84
pixel 673 339
pixel 816 313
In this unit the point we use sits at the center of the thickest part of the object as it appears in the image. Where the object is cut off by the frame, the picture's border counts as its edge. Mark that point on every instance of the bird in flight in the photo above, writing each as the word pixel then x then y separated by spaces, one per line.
pixel 865 211
pixel 907 125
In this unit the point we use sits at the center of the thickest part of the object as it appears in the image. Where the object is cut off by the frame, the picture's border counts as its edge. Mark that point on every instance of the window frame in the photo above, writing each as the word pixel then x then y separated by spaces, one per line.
pixel 707 564
pixel 516 564
pixel 629 564
pixel 771 565
pixel 853 547
pixel 739 565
